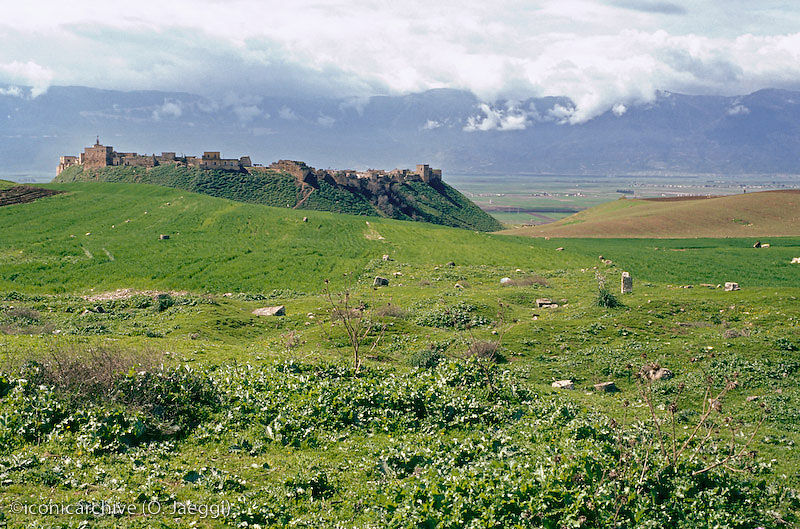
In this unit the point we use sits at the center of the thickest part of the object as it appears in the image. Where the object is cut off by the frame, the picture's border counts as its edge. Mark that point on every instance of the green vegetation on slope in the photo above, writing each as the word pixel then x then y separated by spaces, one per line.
pixel 101 235
pixel 411 201
pixel 266 413
pixel 763 214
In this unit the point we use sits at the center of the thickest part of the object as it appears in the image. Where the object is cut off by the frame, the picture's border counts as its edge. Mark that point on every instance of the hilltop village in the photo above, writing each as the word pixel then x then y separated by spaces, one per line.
pixel 100 156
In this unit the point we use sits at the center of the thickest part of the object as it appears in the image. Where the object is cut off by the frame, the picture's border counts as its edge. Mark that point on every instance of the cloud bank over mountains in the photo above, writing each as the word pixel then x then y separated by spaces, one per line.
pixel 600 55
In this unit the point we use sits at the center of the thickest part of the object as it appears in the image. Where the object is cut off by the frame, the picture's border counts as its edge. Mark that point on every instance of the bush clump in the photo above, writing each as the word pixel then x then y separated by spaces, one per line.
pixel 462 315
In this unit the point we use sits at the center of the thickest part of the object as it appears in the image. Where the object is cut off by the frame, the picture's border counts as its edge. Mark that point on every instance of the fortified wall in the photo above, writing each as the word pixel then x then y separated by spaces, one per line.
pixel 98 156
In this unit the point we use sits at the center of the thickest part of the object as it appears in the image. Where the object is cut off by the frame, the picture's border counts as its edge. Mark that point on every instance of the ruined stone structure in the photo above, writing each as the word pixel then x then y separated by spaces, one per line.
pixel 371 178
pixel 626 285
pixel 98 156
pixel 374 180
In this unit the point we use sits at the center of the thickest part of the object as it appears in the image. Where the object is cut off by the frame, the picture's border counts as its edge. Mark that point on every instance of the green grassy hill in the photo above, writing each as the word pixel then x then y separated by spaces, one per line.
pixel 763 214
pixel 220 245
pixel 106 235
pixel 436 204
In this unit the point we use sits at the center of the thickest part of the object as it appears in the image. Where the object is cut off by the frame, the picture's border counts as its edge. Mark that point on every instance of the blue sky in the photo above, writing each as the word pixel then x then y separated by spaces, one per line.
pixel 602 54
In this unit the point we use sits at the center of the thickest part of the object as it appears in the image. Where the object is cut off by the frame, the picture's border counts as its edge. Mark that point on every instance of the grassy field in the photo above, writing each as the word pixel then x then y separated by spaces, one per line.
pixel 763 214
pixel 103 235
pixel 452 421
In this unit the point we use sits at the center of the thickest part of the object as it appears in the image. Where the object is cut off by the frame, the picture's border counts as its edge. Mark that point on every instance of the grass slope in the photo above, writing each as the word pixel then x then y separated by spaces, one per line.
pixel 265 414
pixel 763 214
pixel 411 201
pixel 105 235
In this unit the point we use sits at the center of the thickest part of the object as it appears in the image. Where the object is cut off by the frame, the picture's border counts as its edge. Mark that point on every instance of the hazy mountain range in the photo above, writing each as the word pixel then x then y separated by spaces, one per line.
pixel 753 134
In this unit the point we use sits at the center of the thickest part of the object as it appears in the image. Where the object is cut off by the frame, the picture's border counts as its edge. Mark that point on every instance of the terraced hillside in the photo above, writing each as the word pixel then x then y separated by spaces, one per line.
pixel 23 194
pixel 763 214
pixel 437 203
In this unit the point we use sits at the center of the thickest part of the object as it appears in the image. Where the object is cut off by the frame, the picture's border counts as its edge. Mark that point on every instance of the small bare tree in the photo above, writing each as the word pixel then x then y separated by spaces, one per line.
pixel 357 326
pixel 712 424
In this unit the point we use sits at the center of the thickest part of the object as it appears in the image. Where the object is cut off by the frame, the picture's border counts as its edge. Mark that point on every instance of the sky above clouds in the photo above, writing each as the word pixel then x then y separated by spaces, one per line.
pixel 603 54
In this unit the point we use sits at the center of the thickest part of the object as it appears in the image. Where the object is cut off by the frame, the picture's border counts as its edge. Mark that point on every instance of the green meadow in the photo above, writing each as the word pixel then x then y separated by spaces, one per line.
pixel 174 394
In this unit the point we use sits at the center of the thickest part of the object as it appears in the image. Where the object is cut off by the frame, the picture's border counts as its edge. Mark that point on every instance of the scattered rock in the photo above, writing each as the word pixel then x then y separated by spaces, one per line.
pixel 305 219
pixel 757 244
pixel 765 245
pixel 279 310
pixel 380 282
pixel 563 384
pixel 627 283
pixel 459 285
pixel 505 280
pixel 451 263
pixel 606 387
pixel 729 287
pixel 386 257
pixel 752 398
pixel 397 274
pixel 608 261
pixel 163 237
pixel 99 309
pixel 795 260
pixel 655 372
pixel 88 233
pixel 194 336
pixel 560 248
pixel 686 286
pixel 545 303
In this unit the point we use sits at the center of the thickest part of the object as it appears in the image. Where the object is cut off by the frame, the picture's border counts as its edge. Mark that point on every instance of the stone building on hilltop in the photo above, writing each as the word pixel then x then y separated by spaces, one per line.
pixel 98 156
pixel 378 181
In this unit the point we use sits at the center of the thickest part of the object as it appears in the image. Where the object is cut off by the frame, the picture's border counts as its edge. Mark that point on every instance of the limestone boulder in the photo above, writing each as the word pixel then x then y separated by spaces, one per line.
pixel 563 384
pixel 279 310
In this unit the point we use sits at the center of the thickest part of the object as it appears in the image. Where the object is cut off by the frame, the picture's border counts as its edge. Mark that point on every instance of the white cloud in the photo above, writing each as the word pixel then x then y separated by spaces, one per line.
pixel 287 113
pixel 27 73
pixel 246 113
pixel 13 91
pixel 510 118
pixel 326 121
pixel 738 110
pixel 431 124
pixel 598 53
pixel 170 109
pixel 619 109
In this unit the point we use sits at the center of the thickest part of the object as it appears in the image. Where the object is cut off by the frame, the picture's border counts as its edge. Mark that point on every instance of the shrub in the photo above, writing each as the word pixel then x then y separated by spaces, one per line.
pixel 605 298
pixel 163 302
pixel 462 315
pixel 785 344
pixel 177 399
pixel 426 358
pixel 389 311
pixel 85 375
pixel 486 350
pixel 24 314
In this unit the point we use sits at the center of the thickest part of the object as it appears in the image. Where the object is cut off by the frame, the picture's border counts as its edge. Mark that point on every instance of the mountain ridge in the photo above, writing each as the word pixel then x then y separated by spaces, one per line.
pixel 758 133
